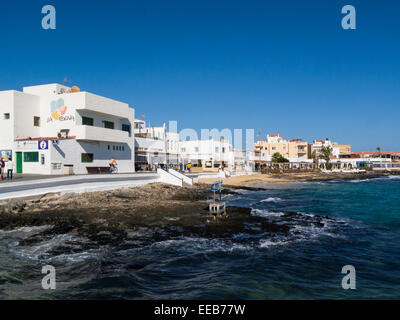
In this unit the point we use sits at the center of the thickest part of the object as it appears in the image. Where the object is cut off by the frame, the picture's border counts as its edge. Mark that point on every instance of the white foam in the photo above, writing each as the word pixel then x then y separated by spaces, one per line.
pixel 24 232
pixel 272 199
pixel 43 249
pixel 265 213
pixel 200 245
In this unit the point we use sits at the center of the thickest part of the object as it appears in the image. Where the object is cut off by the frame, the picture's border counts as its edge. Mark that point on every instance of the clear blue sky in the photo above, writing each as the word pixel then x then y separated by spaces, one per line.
pixel 283 66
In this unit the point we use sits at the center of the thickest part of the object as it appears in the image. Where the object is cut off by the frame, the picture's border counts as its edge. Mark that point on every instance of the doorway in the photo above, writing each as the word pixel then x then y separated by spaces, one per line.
pixel 19 162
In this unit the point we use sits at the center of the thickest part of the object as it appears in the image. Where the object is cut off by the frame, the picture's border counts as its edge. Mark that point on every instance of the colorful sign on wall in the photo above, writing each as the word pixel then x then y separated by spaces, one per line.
pixel 58 111
pixel 6 154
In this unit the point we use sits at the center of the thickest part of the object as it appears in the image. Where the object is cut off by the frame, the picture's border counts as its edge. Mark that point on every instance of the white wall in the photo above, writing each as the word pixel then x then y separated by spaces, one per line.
pixel 37 101
pixel 7 126
pixel 206 150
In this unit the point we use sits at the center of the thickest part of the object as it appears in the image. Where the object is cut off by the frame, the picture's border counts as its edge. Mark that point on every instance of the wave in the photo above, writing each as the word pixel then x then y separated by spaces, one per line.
pixel 199 245
pixel 272 199
pixel 303 227
pixel 265 213
pixel 65 248
pixel 24 232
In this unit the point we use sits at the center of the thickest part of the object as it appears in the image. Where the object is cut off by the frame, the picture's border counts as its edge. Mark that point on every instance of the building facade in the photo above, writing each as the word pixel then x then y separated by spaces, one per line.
pixel 54 129
pixel 207 155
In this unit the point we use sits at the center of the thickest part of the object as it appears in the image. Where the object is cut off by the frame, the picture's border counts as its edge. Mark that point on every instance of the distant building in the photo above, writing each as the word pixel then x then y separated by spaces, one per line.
pixel 295 150
pixel 155 146
pixel 207 155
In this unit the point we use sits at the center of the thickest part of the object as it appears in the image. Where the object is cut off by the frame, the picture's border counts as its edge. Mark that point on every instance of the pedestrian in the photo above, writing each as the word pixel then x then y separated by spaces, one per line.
pixel 1 168
pixel 189 166
pixel 9 168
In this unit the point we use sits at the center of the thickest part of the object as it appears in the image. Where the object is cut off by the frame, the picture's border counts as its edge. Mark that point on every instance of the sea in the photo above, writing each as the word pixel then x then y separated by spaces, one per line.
pixel 360 229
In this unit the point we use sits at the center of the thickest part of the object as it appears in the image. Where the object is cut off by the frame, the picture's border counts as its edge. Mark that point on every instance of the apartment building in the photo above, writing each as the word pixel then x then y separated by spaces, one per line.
pixel 207 155
pixel 344 149
pixel 155 146
pixel 315 148
pixel 55 129
pixel 295 150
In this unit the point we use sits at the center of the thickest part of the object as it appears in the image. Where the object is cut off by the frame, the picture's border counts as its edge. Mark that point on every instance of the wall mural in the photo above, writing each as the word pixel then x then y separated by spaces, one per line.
pixel 58 111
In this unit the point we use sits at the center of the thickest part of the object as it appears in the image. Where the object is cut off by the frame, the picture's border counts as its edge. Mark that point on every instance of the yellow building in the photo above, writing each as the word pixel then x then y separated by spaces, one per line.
pixel 298 149
pixel 344 149
pixel 292 149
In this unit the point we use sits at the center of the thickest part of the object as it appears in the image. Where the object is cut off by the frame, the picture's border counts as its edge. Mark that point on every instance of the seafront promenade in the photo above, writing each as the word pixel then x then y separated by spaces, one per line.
pixel 35 186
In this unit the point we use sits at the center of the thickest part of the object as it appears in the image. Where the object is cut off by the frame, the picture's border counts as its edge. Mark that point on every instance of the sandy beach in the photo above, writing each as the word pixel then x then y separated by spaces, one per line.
pixel 255 180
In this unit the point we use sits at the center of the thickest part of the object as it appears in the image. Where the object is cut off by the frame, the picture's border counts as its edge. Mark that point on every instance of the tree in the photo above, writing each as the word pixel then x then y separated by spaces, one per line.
pixel 315 159
pixel 378 149
pixel 278 158
pixel 325 153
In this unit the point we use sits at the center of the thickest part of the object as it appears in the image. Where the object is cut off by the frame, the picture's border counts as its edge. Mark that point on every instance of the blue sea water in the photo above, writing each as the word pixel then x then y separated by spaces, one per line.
pixel 361 228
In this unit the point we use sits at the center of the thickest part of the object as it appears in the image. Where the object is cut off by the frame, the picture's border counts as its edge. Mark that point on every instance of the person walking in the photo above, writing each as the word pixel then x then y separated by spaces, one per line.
pixel 2 164
pixel 189 167
pixel 9 168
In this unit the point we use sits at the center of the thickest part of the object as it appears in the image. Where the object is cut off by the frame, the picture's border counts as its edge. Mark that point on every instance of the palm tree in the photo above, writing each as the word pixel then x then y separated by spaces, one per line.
pixel 315 159
pixel 325 153
pixel 378 149
pixel 278 158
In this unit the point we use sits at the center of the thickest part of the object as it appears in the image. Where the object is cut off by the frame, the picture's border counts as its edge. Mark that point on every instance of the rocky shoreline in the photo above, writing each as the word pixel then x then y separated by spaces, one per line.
pixel 112 217
pixel 116 216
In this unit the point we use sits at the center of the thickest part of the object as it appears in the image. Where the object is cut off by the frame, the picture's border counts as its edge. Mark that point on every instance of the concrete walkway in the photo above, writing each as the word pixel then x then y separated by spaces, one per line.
pixel 77 184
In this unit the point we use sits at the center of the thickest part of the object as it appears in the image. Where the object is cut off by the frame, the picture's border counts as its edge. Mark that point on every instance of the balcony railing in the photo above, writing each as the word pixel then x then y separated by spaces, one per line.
pixel 91 133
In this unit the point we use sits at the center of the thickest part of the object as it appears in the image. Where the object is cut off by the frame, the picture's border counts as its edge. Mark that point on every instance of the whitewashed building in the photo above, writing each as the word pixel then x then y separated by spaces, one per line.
pixel 155 146
pixel 318 144
pixel 207 155
pixel 54 129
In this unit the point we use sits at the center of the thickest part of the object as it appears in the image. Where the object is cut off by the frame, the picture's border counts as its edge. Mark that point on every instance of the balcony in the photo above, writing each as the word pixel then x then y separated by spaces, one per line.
pixel 100 105
pixel 90 133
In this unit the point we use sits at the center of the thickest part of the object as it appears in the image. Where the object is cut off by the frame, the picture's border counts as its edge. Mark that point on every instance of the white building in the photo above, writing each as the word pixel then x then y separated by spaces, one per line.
pixel 207 155
pixel 54 129
pixel 155 146
pixel 318 144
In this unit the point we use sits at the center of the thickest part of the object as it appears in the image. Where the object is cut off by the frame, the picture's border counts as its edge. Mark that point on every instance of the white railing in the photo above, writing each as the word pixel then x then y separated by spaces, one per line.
pixel 179 175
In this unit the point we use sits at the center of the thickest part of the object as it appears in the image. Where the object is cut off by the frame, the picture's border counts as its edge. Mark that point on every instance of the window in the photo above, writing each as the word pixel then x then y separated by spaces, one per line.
pixel 86 121
pixel 127 128
pixel 108 124
pixel 196 149
pixel 183 149
pixel 273 148
pixel 6 116
pixel 108 147
pixel 87 157
pixel 216 149
pixel 223 150
pixel 31 156
pixel 36 121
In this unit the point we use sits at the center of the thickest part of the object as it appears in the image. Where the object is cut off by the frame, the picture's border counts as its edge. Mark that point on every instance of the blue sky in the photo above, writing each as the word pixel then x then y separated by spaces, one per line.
pixel 283 66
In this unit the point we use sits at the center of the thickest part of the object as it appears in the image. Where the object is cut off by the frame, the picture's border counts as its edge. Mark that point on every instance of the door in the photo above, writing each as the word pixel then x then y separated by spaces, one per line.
pixel 19 162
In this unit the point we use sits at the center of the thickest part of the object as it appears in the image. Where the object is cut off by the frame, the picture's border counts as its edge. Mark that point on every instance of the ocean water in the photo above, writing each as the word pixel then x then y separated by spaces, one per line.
pixel 361 227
